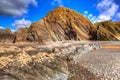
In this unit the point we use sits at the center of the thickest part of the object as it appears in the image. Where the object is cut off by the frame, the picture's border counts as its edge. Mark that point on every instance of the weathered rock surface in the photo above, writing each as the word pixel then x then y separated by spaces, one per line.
pixel 117 24
pixel 59 24
pixel 108 30
pixel 67 60
pixel 6 36
pixel 21 34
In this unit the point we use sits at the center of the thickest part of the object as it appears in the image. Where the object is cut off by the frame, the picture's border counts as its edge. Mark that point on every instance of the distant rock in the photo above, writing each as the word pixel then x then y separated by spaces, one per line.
pixel 21 34
pixel 59 24
pixel 108 30
pixel 6 36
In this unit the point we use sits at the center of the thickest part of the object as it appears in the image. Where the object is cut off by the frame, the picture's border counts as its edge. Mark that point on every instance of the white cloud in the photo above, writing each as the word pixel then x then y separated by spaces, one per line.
pixel 117 16
pixel 107 9
pixel 57 2
pixel 13 30
pixel 34 2
pixel 15 7
pixel 21 23
pixel 90 16
pixel 1 27
pixel 104 5
pixel 85 12
pixel 93 19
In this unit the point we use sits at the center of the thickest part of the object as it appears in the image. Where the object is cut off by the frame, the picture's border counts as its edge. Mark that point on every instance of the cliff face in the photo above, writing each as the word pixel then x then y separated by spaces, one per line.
pixel 108 30
pixel 61 24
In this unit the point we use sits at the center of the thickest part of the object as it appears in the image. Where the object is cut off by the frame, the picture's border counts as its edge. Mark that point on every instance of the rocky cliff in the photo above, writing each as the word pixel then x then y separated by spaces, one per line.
pixel 60 24
pixel 108 30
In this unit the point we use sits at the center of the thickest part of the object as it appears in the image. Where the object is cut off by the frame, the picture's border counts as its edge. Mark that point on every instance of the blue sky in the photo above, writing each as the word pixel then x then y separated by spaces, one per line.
pixel 17 14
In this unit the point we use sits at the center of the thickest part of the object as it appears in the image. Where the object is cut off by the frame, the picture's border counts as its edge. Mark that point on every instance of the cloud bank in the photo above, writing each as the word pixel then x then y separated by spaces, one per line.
pixel 15 8
pixel 107 10
pixel 1 27
pixel 118 17
pixel 21 23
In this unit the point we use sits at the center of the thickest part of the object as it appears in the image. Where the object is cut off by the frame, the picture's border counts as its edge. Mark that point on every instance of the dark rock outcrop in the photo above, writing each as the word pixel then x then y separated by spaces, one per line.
pixel 59 24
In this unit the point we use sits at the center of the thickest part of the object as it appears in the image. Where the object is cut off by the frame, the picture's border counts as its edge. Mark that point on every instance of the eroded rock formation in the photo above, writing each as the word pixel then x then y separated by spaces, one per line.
pixel 59 24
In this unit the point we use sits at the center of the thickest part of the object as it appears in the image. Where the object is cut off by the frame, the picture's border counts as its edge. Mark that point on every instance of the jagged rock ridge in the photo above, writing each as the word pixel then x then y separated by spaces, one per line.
pixel 60 24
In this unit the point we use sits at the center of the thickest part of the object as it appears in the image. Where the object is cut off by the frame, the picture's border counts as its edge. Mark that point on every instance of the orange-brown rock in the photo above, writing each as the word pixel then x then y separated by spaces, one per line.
pixel 59 24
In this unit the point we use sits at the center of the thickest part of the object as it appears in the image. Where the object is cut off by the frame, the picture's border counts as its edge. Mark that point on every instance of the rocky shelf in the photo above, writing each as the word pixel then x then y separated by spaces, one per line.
pixel 63 60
